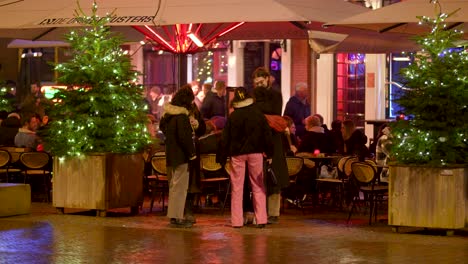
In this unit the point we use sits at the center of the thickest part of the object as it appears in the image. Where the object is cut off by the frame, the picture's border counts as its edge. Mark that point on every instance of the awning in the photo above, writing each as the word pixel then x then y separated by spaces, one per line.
pixel 402 17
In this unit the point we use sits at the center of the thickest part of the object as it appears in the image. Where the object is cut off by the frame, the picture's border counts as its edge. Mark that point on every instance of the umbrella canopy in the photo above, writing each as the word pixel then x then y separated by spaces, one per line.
pixel 402 17
pixel 334 39
pixel 52 13
pixel 49 20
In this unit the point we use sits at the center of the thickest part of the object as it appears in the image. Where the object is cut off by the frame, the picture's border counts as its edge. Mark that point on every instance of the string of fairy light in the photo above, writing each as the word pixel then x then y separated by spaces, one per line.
pixel 104 111
pixel 205 68
pixel 5 104
pixel 438 73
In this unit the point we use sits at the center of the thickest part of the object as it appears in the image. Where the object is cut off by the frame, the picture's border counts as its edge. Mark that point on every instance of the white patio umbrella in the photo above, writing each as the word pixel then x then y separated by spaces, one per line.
pixel 52 13
pixel 266 19
pixel 402 17
pixel 49 20
pixel 330 40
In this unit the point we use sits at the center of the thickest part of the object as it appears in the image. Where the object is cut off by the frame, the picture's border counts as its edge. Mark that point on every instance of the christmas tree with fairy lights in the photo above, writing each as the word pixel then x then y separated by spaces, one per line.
pixel 204 68
pixel 6 104
pixel 436 100
pixel 102 110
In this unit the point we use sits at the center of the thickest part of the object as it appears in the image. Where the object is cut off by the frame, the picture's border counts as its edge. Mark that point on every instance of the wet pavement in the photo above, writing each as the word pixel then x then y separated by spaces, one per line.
pixel 319 236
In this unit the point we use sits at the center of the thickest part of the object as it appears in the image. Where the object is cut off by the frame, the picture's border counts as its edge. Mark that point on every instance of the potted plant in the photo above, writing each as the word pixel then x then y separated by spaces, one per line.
pixel 98 124
pixel 428 185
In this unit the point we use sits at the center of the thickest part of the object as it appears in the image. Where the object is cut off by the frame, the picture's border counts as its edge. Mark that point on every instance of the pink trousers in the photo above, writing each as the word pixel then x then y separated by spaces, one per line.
pixel 255 166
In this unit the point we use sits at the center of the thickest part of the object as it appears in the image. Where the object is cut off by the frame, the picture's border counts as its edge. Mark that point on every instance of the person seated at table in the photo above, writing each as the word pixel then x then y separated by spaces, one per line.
pixel 325 127
pixel 8 129
pixel 26 136
pixel 290 140
pixel 304 182
pixel 209 142
pixel 336 137
pixel 314 138
pixel 355 140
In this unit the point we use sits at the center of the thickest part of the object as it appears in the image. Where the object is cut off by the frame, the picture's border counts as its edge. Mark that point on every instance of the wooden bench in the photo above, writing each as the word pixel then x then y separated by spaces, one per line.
pixel 15 199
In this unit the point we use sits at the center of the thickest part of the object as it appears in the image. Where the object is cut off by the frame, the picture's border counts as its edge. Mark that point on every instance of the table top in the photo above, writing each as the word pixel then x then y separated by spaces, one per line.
pixel 312 156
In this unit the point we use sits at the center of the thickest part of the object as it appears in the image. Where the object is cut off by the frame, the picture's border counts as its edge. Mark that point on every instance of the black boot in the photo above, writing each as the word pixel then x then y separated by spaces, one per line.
pixel 189 217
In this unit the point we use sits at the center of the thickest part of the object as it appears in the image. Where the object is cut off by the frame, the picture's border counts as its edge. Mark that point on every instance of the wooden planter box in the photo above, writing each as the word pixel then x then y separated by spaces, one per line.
pixel 100 182
pixel 428 197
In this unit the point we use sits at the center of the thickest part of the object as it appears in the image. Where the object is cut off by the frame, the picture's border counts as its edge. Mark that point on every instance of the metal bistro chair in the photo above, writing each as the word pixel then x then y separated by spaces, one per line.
pixel 5 159
pixel 37 164
pixel 345 172
pixel 215 180
pixel 294 165
pixel 13 168
pixel 364 179
pixel 158 181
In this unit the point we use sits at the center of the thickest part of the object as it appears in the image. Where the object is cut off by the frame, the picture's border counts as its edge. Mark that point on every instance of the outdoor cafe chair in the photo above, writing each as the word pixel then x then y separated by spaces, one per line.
pixel 294 165
pixel 5 159
pixel 215 179
pixel 35 165
pixel 363 180
pixel 13 167
pixel 158 181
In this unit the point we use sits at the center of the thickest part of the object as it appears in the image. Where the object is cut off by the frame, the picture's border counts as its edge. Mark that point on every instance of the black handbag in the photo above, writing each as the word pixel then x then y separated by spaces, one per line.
pixel 271 174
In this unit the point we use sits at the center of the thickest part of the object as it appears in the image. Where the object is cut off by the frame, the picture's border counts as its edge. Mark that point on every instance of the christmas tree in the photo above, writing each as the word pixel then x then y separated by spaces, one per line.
pixel 6 104
pixel 102 110
pixel 436 100
pixel 204 67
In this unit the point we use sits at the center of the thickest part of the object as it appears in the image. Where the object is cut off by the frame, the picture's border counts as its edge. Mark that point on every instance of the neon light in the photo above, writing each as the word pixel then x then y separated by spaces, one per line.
pixel 160 38
pixel 184 38
pixel 231 29
pixel 195 39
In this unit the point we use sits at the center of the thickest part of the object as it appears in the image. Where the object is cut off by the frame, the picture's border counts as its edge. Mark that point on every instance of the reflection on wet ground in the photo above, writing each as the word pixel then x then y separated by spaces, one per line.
pixel 317 237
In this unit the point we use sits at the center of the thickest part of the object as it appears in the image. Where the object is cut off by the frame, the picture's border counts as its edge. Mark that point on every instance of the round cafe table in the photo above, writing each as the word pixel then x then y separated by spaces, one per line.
pixel 319 159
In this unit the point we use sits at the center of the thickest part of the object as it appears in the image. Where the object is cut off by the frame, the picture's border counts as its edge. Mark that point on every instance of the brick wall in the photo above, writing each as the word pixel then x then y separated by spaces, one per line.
pixel 301 64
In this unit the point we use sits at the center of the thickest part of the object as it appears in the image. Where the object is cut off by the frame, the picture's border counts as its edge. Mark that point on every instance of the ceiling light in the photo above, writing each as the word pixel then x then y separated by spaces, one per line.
pixel 401 58
pixel 195 39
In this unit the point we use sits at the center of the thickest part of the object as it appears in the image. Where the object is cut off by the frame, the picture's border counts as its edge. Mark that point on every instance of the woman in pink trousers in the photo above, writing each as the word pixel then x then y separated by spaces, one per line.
pixel 246 139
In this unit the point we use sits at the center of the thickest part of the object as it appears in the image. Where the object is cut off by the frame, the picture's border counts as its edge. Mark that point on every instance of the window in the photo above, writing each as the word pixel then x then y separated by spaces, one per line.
pixel 350 87
pixel 396 62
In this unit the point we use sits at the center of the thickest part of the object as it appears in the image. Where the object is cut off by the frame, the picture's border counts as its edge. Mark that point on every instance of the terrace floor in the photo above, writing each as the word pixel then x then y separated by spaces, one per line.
pixel 321 235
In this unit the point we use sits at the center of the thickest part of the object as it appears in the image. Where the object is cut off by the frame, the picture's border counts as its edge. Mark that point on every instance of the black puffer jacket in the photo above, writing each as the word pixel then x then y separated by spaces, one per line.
pixel 269 101
pixel 175 125
pixel 246 131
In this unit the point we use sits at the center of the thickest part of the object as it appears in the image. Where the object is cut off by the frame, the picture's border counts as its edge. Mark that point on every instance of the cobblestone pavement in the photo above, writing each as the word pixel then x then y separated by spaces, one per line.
pixel 319 236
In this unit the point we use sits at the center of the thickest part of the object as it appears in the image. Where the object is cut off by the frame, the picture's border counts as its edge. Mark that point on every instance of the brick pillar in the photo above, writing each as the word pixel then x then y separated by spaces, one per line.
pixel 300 63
